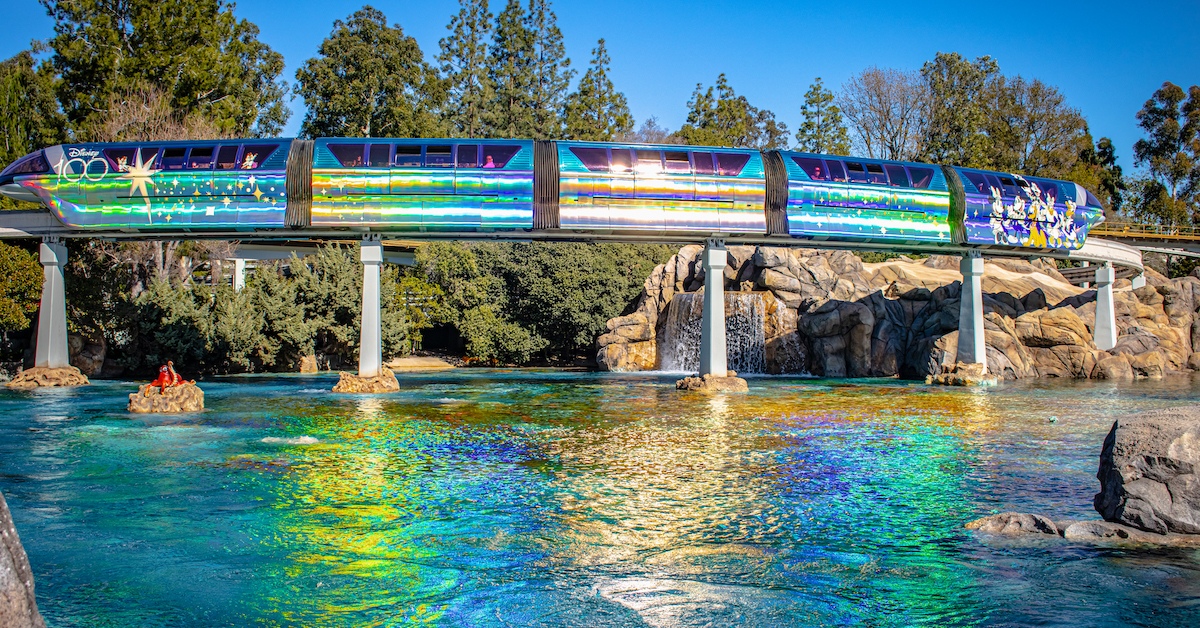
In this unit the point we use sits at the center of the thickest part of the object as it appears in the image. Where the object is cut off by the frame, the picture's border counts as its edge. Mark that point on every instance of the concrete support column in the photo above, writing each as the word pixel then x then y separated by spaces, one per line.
pixel 51 348
pixel 370 349
pixel 239 274
pixel 1139 281
pixel 712 332
pixel 1106 315
pixel 970 311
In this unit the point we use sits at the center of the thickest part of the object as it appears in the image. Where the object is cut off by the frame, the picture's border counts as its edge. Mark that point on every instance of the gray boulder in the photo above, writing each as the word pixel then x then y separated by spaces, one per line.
pixel 1014 523
pixel 1148 472
pixel 18 607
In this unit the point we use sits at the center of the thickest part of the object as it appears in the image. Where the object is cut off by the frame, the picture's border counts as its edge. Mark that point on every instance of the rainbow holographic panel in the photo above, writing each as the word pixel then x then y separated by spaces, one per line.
pixel 856 199
pixel 1015 210
pixel 434 184
pixel 165 184
pixel 625 187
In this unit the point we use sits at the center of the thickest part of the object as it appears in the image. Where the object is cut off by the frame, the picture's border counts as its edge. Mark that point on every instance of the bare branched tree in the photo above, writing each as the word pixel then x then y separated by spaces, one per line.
pixel 887 109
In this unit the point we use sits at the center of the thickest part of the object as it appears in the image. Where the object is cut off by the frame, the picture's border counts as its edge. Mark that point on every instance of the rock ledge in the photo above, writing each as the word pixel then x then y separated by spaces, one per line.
pixel 385 382
pixel 963 375
pixel 185 397
pixel 42 376
pixel 711 383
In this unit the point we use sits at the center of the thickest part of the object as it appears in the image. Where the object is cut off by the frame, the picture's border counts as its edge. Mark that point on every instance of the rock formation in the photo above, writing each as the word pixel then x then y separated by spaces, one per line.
pixel 385 382
pixel 1014 523
pixel 714 384
pixel 185 397
pixel 833 315
pixel 42 376
pixel 18 606
pixel 1148 472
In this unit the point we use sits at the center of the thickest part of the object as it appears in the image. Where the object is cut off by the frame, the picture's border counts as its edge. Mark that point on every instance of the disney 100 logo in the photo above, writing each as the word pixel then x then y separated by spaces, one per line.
pixel 82 152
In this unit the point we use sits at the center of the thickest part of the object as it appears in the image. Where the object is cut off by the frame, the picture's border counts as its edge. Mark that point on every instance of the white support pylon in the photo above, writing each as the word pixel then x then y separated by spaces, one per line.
pixel 51 348
pixel 370 348
pixel 1105 333
pixel 712 330
pixel 971 348
pixel 239 274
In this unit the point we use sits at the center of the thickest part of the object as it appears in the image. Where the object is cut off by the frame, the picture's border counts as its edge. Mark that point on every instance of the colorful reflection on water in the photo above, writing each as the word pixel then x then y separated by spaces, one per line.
pixel 542 498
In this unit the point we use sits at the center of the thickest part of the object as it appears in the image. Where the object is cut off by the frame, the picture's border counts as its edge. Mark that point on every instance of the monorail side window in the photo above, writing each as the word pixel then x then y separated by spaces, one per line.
pixel 439 156
pixel 704 163
pixel 1010 188
pixel 1091 199
pixel 407 156
pixel 857 173
pixel 380 156
pixel 837 171
pixel 814 168
pixel 498 156
pixel 649 161
pixel 149 155
pixel 897 176
pixel 253 156
pixel 875 175
pixel 1047 190
pixel 731 164
pixel 120 159
pixel 349 155
pixel 173 158
pixel 921 177
pixel 468 155
pixel 978 183
pixel 677 162
pixel 227 157
pixel 993 182
pixel 594 159
pixel 200 158
pixel 622 163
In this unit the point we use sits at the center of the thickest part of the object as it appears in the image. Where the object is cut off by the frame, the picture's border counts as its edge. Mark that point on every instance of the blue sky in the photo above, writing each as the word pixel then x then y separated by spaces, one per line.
pixel 1107 58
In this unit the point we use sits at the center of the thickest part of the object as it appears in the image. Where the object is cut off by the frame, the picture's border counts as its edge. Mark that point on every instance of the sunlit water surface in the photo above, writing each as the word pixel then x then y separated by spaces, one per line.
pixel 542 498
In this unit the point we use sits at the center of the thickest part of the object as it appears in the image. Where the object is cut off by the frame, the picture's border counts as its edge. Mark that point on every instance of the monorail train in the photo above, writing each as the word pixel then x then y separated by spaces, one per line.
pixel 458 185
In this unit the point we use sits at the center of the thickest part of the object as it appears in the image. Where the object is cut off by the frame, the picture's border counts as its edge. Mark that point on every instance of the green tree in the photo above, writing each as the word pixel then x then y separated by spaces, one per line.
pixel 822 130
pixel 512 75
pixel 464 59
pixel 197 51
pixel 368 80
pixel 1171 120
pixel 596 111
pixel 551 70
pixel 1031 130
pixel 21 279
pixel 1097 170
pixel 726 119
pixel 29 114
pixel 955 133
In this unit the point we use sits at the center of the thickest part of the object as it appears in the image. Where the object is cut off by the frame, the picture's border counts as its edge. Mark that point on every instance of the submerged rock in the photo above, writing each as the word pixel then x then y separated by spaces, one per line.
pixel 385 382
pixel 43 376
pixel 1014 523
pixel 963 375
pixel 185 397
pixel 1148 472
pixel 711 383
pixel 18 606
pixel 1110 532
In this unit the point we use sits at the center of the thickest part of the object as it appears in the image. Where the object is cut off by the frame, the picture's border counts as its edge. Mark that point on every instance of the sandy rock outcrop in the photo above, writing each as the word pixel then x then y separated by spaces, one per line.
pixel 43 376
pixel 1013 523
pixel 1148 472
pixel 185 397
pixel 714 384
pixel 18 606
pixel 385 382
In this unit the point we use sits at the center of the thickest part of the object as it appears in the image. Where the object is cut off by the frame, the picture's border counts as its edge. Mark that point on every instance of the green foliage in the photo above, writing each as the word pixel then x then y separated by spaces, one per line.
pixel 369 80
pixel 464 64
pixel 206 59
pixel 1097 170
pixel 955 133
pixel 596 111
pixel 1171 120
pixel 420 302
pixel 97 290
pixel 1031 130
pixel 29 115
pixel 512 74
pixel 20 287
pixel 551 73
pixel 822 130
pixel 726 119
pixel 173 324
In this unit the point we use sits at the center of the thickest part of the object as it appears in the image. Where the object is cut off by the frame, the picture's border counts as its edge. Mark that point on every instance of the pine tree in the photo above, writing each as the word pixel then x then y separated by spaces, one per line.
pixel 823 130
pixel 369 79
pixel 464 60
pixel 552 76
pixel 726 119
pixel 596 111
pixel 958 108
pixel 511 73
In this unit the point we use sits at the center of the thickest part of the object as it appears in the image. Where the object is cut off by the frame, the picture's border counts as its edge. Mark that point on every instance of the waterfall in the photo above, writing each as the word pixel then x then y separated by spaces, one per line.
pixel 745 335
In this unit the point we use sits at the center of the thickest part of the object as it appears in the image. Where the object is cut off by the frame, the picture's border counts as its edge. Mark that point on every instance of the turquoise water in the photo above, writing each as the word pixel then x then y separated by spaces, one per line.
pixel 543 498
